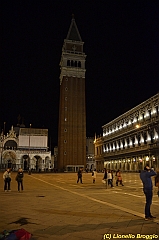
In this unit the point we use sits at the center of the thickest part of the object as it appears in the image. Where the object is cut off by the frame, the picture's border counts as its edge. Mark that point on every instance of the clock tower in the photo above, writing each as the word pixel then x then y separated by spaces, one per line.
pixel 72 111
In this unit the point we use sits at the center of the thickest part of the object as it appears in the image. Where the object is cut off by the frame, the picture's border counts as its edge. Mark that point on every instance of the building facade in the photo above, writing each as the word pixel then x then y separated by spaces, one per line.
pixel 90 160
pixel 72 112
pixel 131 141
pixel 26 148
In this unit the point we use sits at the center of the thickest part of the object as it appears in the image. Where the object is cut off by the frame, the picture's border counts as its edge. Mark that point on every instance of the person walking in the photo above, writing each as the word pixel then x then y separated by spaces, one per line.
pixel 157 181
pixel 145 177
pixel 109 176
pixel 112 172
pixel 94 175
pixel 7 179
pixel 19 179
pixel 79 175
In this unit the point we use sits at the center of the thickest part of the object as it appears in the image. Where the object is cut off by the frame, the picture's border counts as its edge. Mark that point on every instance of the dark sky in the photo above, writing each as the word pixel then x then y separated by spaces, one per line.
pixel 122 65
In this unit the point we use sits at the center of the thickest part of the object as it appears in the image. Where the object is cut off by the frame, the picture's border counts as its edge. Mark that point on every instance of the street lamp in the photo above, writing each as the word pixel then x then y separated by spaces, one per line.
pixel 29 171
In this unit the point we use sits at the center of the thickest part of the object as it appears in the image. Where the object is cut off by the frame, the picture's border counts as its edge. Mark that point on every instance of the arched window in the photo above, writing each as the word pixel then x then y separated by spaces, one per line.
pixel 72 63
pixel 10 144
pixel 75 63
pixel 79 64
pixel 68 62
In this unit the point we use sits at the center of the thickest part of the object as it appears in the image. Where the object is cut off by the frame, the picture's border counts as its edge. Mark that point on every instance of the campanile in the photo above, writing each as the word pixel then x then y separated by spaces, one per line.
pixel 72 111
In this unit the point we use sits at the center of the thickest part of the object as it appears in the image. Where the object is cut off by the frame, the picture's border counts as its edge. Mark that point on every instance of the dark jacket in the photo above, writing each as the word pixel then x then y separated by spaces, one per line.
pixel 19 176
pixel 105 175
pixel 157 179
pixel 79 173
pixel 146 179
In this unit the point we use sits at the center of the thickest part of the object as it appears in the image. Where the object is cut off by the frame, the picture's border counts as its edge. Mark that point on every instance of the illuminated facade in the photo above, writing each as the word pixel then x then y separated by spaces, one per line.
pixel 131 141
pixel 72 111
pixel 90 160
pixel 26 149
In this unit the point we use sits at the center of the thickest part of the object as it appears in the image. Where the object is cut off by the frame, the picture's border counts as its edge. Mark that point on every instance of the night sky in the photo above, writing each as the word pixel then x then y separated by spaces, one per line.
pixel 122 65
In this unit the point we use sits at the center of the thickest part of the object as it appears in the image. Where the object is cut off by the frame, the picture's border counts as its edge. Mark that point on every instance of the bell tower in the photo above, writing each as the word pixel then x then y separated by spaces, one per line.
pixel 72 111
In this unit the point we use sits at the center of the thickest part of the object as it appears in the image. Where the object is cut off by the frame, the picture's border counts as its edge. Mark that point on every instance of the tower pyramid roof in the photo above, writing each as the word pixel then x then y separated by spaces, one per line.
pixel 73 33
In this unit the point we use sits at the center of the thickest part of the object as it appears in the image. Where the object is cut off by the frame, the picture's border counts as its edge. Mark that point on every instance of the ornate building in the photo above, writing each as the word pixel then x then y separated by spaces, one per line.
pixel 26 148
pixel 72 112
pixel 131 141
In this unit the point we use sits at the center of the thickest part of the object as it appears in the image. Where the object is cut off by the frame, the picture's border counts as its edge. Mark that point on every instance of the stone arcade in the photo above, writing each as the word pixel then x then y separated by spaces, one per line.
pixel 131 140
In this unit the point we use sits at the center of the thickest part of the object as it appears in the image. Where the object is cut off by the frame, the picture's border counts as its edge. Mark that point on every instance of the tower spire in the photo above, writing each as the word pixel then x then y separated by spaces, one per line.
pixel 73 33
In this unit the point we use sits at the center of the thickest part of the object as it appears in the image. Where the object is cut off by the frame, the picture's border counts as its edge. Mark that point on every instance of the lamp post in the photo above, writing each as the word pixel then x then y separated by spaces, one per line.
pixel 2 139
pixel 29 171
pixel 2 142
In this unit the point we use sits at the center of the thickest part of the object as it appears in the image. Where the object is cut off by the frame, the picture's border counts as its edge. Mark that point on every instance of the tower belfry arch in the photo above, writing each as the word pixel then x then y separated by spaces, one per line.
pixel 72 112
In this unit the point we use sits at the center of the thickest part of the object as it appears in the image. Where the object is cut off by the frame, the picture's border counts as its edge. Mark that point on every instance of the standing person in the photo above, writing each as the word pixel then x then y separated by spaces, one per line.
pixel 157 181
pixel 105 176
pixel 119 178
pixel 7 179
pixel 19 179
pixel 79 174
pixel 94 175
pixel 109 176
pixel 116 178
pixel 145 177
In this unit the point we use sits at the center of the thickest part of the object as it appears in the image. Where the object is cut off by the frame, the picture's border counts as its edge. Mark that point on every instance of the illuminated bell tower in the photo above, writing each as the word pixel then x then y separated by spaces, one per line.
pixel 72 111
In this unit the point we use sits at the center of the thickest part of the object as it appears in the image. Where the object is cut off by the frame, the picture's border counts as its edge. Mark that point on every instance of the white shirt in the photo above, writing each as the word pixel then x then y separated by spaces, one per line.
pixel 95 174
pixel 109 175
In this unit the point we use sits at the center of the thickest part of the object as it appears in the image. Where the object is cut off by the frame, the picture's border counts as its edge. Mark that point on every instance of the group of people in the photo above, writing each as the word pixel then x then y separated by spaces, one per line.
pixel 145 177
pixel 7 179
pixel 108 176
pixel 79 175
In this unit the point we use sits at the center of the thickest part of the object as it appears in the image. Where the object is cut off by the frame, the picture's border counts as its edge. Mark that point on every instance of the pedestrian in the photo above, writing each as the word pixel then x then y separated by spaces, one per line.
pixel 112 172
pixel 94 175
pixel 145 177
pixel 79 175
pixel 116 178
pixel 119 178
pixel 104 180
pixel 157 181
pixel 19 179
pixel 109 176
pixel 7 179
pixel 105 174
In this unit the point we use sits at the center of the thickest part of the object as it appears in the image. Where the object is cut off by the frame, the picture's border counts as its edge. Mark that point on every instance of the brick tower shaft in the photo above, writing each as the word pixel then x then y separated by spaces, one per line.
pixel 72 111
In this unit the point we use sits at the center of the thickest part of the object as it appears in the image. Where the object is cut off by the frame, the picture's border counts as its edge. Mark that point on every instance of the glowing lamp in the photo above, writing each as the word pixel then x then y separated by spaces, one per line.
pixel 147 158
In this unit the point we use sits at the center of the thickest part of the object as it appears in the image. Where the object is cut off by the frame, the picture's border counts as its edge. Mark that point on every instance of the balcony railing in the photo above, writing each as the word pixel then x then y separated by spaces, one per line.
pixel 131 150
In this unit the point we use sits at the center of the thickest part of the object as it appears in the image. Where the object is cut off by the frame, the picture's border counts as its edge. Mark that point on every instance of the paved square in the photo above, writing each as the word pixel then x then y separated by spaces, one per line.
pixel 54 206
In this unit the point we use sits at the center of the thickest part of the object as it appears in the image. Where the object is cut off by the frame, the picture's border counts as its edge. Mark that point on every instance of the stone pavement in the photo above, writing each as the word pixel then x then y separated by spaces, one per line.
pixel 54 206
